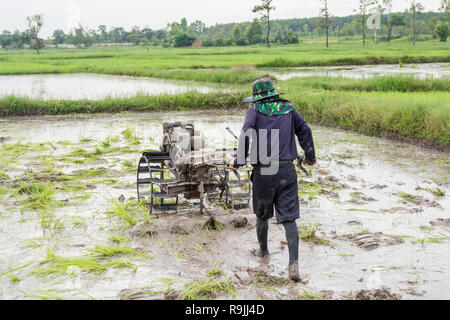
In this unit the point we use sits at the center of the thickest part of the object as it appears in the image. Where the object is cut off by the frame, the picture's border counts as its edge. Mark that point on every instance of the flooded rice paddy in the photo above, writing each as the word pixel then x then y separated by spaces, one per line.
pixel 421 71
pixel 94 86
pixel 374 218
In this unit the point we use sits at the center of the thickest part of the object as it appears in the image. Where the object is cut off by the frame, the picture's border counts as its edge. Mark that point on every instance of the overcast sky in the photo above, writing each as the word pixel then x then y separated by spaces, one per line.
pixel 64 14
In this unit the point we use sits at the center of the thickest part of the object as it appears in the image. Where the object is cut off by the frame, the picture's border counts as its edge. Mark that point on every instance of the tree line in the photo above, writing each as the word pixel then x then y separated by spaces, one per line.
pixel 413 22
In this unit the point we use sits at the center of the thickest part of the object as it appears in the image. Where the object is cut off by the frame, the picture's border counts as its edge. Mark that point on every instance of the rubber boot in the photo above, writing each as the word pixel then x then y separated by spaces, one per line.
pixel 293 272
pixel 262 229
pixel 292 240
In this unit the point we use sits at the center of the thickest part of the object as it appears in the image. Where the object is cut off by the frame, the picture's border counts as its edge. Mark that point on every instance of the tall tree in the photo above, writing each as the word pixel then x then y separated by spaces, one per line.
pixel 103 33
pixel 445 8
pixel 381 6
pixel 184 24
pixel 306 29
pixel 35 24
pixel 254 32
pixel 363 11
pixel 237 36
pixel 442 31
pixel 264 9
pixel 415 9
pixel 396 20
pixel 58 37
pixel 325 19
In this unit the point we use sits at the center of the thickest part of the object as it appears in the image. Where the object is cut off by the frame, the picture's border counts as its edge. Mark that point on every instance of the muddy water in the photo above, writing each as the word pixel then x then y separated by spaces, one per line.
pixel 92 86
pixel 362 181
pixel 421 71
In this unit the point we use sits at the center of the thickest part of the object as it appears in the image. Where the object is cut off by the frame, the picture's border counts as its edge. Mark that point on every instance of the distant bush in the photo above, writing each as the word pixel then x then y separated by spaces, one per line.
pixel 442 31
pixel 182 39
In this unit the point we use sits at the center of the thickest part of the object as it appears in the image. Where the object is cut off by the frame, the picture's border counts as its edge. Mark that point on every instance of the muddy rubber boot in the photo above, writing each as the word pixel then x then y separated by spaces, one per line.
pixel 262 228
pixel 293 272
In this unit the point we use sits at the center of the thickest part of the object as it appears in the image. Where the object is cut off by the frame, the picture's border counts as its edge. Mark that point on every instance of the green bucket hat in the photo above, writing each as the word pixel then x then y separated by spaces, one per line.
pixel 266 100
pixel 262 89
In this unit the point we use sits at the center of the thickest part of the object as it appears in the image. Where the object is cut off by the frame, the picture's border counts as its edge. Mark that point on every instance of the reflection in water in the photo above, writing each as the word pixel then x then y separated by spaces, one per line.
pixel 421 71
pixel 94 86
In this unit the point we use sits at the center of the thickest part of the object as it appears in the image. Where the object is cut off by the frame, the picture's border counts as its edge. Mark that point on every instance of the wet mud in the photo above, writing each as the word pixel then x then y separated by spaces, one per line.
pixel 374 219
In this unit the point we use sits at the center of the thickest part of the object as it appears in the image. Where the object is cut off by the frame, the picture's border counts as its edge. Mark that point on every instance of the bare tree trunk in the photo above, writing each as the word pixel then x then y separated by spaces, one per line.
pixel 414 28
pixel 268 29
pixel 327 33
pixel 364 29
pixel 36 43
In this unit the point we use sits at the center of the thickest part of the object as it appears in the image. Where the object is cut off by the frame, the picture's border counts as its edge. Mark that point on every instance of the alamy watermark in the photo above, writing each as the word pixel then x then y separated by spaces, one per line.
pixel 374 20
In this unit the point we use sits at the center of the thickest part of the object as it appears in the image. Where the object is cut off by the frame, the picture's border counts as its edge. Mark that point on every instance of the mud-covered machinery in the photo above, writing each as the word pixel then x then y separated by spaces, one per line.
pixel 184 168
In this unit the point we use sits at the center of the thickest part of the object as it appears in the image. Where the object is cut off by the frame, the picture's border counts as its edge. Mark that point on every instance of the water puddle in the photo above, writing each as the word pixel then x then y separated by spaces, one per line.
pixel 374 215
pixel 421 71
pixel 94 86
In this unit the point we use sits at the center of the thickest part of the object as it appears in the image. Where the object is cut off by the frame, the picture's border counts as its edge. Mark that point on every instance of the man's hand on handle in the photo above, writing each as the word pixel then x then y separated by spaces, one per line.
pixel 309 163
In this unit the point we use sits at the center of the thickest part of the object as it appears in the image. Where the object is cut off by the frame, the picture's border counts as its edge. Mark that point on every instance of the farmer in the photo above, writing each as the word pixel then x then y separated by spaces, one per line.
pixel 274 117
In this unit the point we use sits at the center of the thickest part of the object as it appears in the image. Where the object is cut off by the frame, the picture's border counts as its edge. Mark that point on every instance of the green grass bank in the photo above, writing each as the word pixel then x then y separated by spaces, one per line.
pixel 386 106
pixel 222 65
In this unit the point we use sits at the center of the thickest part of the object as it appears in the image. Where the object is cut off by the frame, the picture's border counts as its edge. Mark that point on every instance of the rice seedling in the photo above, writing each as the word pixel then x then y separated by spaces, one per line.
pixel 39 195
pixel 119 211
pixel 13 277
pixel 214 272
pixel 106 250
pixel 308 233
pixel 131 136
pixel 311 296
pixel 117 238
pixel 58 266
pixel 50 223
pixel 119 264
pixel 209 288
pixel 437 192
pixel 128 164
pixel 79 223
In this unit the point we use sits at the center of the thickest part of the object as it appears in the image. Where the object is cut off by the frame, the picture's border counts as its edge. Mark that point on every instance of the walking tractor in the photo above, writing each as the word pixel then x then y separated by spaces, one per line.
pixel 184 168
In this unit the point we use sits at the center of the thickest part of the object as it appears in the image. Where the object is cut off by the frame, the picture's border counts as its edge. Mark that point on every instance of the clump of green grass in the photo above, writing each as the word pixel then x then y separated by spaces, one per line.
pixel 114 250
pixel 79 222
pixel 50 222
pixel 121 212
pixel 311 296
pixel 13 277
pixel 308 233
pixel 59 265
pixel 312 189
pixel 119 264
pixel 3 176
pixel 39 195
pixel 437 192
pixel 117 238
pixel 209 288
pixel 260 278
pixel 128 164
pixel 131 136
pixel 213 224
pixel 78 152
pixel 214 272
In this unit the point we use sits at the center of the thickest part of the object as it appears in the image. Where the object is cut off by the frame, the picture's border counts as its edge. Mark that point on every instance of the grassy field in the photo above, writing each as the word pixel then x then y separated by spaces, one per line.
pixel 226 65
pixel 391 106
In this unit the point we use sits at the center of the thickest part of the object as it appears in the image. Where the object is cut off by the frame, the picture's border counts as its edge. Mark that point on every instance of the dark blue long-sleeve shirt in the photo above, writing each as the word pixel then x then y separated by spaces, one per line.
pixel 290 125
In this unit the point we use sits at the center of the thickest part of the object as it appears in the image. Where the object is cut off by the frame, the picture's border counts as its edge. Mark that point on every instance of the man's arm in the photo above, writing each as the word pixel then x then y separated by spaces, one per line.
pixel 304 136
pixel 249 123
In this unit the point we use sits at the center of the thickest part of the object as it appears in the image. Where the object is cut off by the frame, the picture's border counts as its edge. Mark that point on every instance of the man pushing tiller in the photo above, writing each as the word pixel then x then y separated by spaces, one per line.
pixel 274 177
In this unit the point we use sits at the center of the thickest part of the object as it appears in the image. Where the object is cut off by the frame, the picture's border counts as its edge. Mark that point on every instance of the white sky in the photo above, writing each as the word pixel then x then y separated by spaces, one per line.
pixel 61 14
